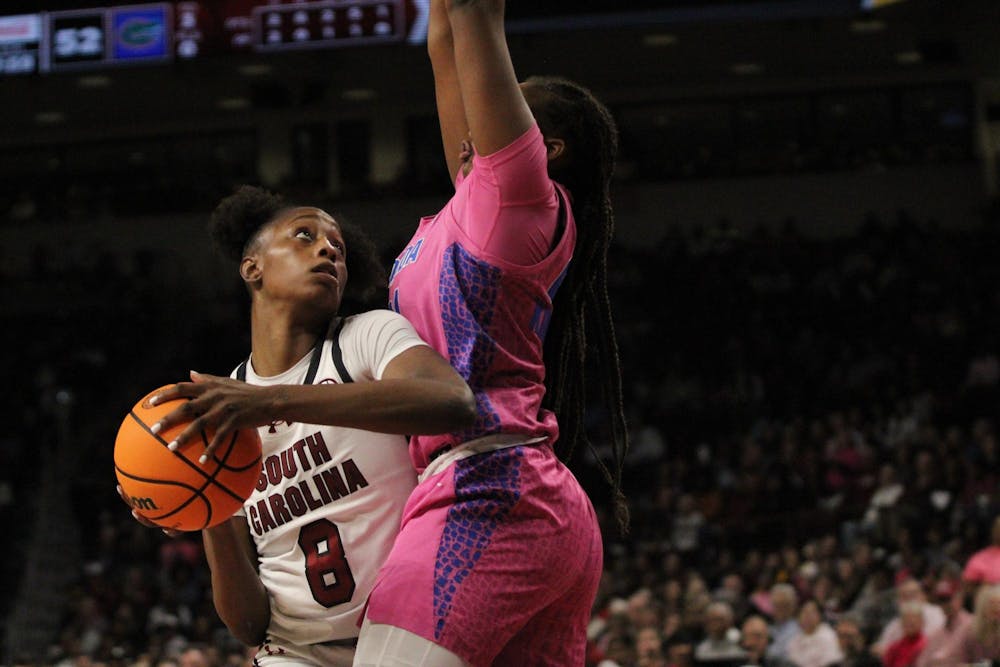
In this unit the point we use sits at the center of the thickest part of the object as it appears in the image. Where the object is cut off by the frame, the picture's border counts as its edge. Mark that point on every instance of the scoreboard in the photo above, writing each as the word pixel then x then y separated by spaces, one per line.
pixel 220 26
pixel 20 42
pixel 76 39
pixel 76 36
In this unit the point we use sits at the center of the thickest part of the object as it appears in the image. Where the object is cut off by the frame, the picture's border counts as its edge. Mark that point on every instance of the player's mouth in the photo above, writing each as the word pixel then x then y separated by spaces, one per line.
pixel 327 269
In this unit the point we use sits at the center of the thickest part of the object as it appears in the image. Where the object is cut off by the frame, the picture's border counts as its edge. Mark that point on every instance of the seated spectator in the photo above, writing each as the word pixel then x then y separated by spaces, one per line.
pixel 680 650
pixel 852 643
pixel 648 645
pixel 904 651
pixel 984 565
pixel 944 646
pixel 909 590
pixel 816 644
pixel 755 639
pixel 982 642
pixel 720 647
pixel 784 627
pixel 881 518
pixel 620 652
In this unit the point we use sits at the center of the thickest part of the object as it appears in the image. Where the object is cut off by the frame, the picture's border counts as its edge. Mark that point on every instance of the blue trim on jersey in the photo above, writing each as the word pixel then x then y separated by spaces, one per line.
pixel 487 487
pixel 468 292
pixel 542 316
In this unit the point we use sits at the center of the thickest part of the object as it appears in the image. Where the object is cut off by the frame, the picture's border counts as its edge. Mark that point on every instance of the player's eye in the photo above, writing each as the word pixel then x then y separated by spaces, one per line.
pixel 303 233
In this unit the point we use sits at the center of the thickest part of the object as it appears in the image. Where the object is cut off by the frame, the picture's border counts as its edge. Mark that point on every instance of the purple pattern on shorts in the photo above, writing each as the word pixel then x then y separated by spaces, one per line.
pixel 487 486
pixel 468 293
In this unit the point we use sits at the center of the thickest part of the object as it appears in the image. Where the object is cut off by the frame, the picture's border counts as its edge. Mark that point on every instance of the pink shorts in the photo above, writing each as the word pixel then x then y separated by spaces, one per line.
pixel 498 561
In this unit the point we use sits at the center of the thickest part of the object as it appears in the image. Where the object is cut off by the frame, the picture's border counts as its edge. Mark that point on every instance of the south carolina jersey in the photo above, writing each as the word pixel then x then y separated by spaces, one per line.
pixel 460 285
pixel 327 506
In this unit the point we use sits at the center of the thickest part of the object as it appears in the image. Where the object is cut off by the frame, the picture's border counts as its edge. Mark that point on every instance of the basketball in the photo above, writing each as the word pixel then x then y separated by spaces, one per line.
pixel 172 489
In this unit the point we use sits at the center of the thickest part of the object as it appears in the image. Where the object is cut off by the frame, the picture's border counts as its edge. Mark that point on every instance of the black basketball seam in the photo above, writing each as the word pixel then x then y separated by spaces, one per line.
pixel 221 464
pixel 210 478
pixel 195 493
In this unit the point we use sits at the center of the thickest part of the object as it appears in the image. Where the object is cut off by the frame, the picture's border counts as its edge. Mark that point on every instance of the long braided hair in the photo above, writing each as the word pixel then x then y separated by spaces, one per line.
pixel 581 315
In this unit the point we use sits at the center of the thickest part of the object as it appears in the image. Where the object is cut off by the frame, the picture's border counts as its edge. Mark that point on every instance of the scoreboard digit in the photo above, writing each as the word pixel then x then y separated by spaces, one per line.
pixel 76 39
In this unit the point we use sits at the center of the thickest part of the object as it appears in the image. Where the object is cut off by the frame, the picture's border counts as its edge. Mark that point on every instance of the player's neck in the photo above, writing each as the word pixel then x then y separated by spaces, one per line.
pixel 277 345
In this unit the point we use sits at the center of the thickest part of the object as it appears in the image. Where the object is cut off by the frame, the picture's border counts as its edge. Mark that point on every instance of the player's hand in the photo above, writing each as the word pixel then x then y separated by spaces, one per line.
pixel 143 520
pixel 217 404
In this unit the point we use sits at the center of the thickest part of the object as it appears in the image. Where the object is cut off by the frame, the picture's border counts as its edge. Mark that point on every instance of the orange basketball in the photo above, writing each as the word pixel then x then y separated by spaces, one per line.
pixel 172 489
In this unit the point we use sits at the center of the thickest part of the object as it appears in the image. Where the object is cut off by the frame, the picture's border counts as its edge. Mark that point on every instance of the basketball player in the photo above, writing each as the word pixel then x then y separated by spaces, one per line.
pixel 500 553
pixel 291 572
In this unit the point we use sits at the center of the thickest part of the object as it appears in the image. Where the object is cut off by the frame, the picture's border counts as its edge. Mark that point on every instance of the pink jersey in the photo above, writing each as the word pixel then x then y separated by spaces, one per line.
pixel 484 302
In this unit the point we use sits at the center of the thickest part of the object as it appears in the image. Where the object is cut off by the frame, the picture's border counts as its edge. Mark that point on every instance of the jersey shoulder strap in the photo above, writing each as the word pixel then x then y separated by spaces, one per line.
pixel 338 354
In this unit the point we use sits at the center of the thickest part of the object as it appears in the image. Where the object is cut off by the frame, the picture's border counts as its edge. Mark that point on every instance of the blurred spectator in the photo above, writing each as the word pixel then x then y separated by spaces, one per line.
pixel 731 592
pixel 680 650
pixel 754 638
pixel 784 625
pixel 620 652
pixel 944 647
pixel 982 643
pixel 909 590
pixel 875 605
pixel 816 644
pixel 853 644
pixel 720 647
pixel 881 518
pixel 195 656
pixel 688 523
pixel 984 565
pixel 904 651
pixel 649 647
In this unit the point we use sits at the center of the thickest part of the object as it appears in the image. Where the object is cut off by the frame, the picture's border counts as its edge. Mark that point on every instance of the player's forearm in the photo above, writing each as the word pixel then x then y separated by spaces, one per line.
pixel 448 95
pixel 440 44
pixel 405 406
pixel 494 105
pixel 237 591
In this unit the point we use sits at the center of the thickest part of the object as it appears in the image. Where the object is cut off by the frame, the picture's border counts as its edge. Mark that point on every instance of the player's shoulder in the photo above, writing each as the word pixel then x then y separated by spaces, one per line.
pixel 376 318
pixel 378 324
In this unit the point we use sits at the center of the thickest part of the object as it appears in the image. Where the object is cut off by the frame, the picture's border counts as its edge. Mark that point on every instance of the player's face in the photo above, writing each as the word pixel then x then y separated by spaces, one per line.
pixel 303 259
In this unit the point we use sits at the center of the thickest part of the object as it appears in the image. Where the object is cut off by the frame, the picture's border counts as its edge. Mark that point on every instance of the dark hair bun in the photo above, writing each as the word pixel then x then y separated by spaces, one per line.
pixel 238 218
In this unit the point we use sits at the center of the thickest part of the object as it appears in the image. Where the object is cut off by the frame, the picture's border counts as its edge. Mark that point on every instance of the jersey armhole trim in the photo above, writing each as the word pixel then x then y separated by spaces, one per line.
pixel 338 354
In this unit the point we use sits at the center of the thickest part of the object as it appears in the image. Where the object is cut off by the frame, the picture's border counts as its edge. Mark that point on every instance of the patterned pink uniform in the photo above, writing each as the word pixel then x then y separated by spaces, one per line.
pixel 500 554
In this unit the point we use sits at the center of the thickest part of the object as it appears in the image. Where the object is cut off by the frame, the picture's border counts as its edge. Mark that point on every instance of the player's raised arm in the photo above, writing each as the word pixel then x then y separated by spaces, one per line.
pixel 451 111
pixel 495 108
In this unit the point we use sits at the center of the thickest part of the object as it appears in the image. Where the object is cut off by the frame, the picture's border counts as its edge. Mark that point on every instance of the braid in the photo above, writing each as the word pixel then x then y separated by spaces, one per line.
pixel 582 308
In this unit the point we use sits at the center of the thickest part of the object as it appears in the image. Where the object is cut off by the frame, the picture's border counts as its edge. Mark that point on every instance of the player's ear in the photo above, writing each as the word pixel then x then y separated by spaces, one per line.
pixel 554 148
pixel 250 269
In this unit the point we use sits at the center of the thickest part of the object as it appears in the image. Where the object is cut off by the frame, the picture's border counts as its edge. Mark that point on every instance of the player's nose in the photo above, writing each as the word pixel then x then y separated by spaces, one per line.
pixel 326 247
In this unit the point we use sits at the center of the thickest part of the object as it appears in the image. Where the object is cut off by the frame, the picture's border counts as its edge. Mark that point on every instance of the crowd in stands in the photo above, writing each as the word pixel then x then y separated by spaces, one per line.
pixel 814 476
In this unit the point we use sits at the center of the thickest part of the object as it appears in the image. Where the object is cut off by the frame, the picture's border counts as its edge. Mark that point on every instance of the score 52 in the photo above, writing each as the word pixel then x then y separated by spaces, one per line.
pixel 76 37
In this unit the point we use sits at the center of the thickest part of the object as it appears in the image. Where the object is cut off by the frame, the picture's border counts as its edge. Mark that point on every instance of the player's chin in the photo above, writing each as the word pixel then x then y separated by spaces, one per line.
pixel 326 300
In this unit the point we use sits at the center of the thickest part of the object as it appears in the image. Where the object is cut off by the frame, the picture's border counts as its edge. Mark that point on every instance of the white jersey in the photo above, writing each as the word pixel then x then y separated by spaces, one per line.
pixel 328 503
